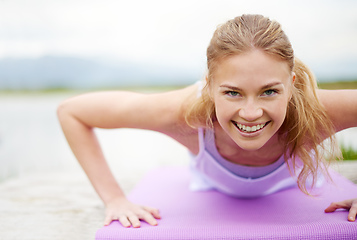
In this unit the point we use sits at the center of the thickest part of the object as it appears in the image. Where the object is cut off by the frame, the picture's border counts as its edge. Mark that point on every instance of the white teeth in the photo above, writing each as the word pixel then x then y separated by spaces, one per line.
pixel 250 129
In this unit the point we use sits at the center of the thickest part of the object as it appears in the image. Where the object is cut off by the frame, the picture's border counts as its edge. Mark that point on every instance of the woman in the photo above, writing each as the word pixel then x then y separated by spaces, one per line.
pixel 258 114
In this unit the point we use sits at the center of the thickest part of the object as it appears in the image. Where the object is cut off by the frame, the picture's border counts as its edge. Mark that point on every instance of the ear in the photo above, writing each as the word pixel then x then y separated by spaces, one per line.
pixel 293 75
pixel 206 75
pixel 207 87
pixel 206 78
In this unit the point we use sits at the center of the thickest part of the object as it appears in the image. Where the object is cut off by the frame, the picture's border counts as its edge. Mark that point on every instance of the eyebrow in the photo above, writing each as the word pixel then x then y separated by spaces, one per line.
pixel 263 87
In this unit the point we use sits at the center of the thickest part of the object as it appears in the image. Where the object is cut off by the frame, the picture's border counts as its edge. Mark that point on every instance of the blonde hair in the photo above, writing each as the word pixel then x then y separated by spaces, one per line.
pixel 306 124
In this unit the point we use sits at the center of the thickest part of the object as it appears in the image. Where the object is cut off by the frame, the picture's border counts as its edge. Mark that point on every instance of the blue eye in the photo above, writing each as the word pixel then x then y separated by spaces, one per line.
pixel 232 93
pixel 270 92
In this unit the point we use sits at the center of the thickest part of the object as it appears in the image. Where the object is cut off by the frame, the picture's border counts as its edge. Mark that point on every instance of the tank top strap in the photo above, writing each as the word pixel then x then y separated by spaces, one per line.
pixel 201 131
pixel 201 139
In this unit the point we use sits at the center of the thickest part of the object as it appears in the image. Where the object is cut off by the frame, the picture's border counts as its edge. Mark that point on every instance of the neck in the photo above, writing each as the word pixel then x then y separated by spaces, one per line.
pixel 266 155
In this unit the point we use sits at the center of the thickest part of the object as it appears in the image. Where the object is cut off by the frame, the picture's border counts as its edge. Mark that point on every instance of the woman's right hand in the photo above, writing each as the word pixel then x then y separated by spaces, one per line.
pixel 350 204
pixel 130 214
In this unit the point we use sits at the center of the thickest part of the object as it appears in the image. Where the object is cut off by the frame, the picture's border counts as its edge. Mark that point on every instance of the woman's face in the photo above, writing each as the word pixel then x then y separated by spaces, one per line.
pixel 251 92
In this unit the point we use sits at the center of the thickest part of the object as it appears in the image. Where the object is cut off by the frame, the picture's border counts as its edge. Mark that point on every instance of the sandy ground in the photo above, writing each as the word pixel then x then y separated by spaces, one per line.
pixel 63 205
pixel 43 192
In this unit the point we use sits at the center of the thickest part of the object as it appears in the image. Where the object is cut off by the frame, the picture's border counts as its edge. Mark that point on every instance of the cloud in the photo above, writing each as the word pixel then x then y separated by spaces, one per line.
pixel 175 32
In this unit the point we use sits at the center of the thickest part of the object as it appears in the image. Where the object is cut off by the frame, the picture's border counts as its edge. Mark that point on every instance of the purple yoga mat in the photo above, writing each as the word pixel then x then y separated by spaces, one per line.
pixel 288 214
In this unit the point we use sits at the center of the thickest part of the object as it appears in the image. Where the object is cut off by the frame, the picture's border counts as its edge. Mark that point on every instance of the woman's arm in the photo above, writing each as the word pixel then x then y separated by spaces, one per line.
pixel 341 106
pixel 79 115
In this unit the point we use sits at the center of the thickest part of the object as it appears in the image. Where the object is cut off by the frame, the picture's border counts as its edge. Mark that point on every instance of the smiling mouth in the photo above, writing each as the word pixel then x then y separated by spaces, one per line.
pixel 250 129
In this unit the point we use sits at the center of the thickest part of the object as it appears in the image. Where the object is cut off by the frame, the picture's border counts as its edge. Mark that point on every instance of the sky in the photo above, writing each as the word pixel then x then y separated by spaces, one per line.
pixel 169 32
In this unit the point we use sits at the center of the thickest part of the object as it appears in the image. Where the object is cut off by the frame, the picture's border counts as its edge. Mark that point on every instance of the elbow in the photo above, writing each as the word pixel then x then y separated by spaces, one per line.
pixel 63 112
pixel 67 115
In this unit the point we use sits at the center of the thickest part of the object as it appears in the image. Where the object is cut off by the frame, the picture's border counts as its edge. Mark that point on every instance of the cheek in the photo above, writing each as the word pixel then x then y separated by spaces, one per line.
pixel 279 111
pixel 224 109
pixel 221 113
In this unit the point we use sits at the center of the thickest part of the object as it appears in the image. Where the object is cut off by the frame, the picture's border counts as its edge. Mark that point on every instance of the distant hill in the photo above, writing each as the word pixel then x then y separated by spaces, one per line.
pixel 70 72
pixel 338 69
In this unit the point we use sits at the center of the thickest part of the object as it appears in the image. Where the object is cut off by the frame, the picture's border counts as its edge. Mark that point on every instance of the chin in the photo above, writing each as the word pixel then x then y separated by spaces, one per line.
pixel 250 146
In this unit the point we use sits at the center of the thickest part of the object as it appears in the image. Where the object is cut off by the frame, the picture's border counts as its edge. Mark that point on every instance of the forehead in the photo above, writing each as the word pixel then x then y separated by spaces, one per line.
pixel 253 67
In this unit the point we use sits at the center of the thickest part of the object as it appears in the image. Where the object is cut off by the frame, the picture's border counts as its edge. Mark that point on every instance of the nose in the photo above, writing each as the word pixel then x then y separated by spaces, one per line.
pixel 251 111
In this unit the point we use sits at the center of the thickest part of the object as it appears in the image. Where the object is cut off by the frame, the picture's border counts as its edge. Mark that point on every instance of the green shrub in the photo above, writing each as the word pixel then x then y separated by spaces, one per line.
pixel 348 153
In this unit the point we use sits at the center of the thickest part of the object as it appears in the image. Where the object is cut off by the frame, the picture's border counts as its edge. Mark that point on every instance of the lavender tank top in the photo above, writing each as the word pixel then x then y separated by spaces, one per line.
pixel 210 173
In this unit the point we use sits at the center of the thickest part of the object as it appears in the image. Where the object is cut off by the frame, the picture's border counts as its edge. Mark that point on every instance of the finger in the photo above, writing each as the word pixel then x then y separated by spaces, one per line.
pixel 352 213
pixel 135 222
pixel 108 220
pixel 331 208
pixel 155 212
pixel 147 217
pixel 336 205
pixel 124 221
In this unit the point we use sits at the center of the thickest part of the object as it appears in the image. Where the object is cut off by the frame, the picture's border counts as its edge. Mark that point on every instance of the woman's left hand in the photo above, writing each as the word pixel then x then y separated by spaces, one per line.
pixel 350 205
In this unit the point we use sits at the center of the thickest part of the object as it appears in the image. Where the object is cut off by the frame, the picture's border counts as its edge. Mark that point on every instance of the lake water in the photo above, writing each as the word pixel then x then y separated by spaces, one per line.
pixel 31 140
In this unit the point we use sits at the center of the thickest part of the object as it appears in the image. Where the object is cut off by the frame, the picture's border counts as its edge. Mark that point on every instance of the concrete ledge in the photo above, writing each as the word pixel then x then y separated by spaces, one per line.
pixel 347 168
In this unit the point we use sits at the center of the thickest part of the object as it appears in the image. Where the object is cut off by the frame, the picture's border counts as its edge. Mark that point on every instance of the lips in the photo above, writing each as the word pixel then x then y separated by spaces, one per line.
pixel 251 128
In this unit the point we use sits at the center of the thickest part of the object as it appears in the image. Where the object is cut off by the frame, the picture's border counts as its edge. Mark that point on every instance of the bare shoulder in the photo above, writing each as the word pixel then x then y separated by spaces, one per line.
pixel 171 108
pixel 167 110
pixel 341 106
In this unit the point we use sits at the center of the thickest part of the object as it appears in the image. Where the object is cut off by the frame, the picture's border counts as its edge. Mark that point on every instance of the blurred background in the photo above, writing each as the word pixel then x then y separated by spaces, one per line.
pixel 103 44
pixel 51 50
